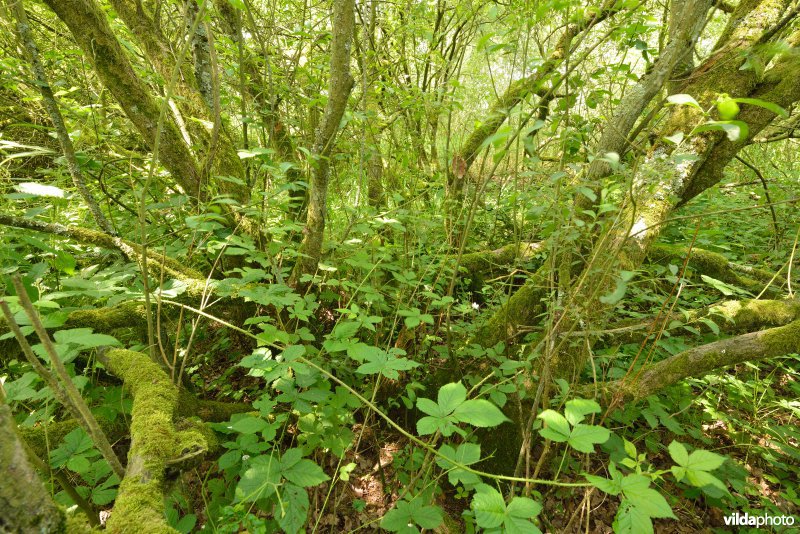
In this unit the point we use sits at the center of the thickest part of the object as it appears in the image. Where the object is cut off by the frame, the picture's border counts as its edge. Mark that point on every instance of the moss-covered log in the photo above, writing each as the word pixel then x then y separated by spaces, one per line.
pixel 702 360
pixel 714 265
pixel 155 443
pixel 25 504
pixel 731 317
pixel 523 309
pixel 486 264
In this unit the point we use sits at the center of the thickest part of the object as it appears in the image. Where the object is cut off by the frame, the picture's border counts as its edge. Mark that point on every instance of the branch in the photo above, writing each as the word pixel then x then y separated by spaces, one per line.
pixel 700 361
pixel 130 251
pixel 155 443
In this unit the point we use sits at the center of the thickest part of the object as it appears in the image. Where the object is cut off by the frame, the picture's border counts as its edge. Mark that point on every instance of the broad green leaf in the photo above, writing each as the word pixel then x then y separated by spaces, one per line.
pixel 631 520
pixel 776 109
pixel 612 487
pixel 480 413
pixel 466 454
pixel 431 408
pixel 429 425
pixel 704 460
pixel 249 425
pixel 651 502
pixel 518 514
pixel 305 473
pixel 292 352
pixel 260 480
pixel 683 100
pixel 428 516
pixel 577 409
pixel 678 453
pixel 701 479
pixel 583 438
pixel 84 338
pixel 556 426
pixel 735 130
pixel 489 507
pixel 524 507
pixel 451 396
pixel 293 509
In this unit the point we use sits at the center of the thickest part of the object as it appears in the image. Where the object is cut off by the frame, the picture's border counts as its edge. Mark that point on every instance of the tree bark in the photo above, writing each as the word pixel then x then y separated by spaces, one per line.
pixel 25 503
pixel 340 84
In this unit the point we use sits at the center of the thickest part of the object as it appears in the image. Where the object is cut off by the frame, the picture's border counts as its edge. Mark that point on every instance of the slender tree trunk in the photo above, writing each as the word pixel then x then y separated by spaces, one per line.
pixel 50 103
pixel 340 84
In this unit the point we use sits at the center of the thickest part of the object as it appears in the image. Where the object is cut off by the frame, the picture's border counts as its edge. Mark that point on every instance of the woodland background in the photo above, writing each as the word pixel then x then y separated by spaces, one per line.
pixel 450 266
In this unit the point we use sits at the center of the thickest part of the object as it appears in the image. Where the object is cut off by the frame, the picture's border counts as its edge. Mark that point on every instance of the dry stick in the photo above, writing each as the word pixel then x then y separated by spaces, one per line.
pixel 763 181
pixel 791 261
pixel 72 393
pixel 49 100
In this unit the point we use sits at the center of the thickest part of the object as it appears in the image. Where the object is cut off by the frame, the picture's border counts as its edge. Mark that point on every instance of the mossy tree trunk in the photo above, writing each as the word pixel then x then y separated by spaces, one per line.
pixel 155 443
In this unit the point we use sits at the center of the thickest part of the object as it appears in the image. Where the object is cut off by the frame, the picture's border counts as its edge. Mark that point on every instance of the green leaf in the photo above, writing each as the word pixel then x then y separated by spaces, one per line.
pixel 294 509
pixel 518 514
pixel 683 100
pixel 637 491
pixel 466 454
pixel 577 409
pixel 489 507
pixel 249 425
pixel 406 514
pixel 775 108
pixel 451 396
pixel 84 338
pixel 610 486
pixel 631 520
pixel 557 427
pixel 79 464
pixel 704 460
pixel 260 480
pixel 480 413
pixel 429 407
pixel 735 130
pixel 305 473
pixel 719 285
pixel 428 517
pixel 651 502
pixel 429 425
pixel 76 443
pixel 701 479
pixel 678 453
pixel 584 437
pixel 398 519
pixel 292 352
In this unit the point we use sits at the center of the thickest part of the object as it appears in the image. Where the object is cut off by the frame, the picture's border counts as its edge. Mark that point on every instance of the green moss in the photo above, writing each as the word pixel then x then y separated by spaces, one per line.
pixel 782 340
pixel 106 320
pixel 752 314
pixel 154 442
pixel 77 524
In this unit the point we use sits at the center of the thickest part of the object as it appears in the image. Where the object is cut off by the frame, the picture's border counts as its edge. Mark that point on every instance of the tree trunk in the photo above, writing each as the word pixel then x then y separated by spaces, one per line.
pixel 340 84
